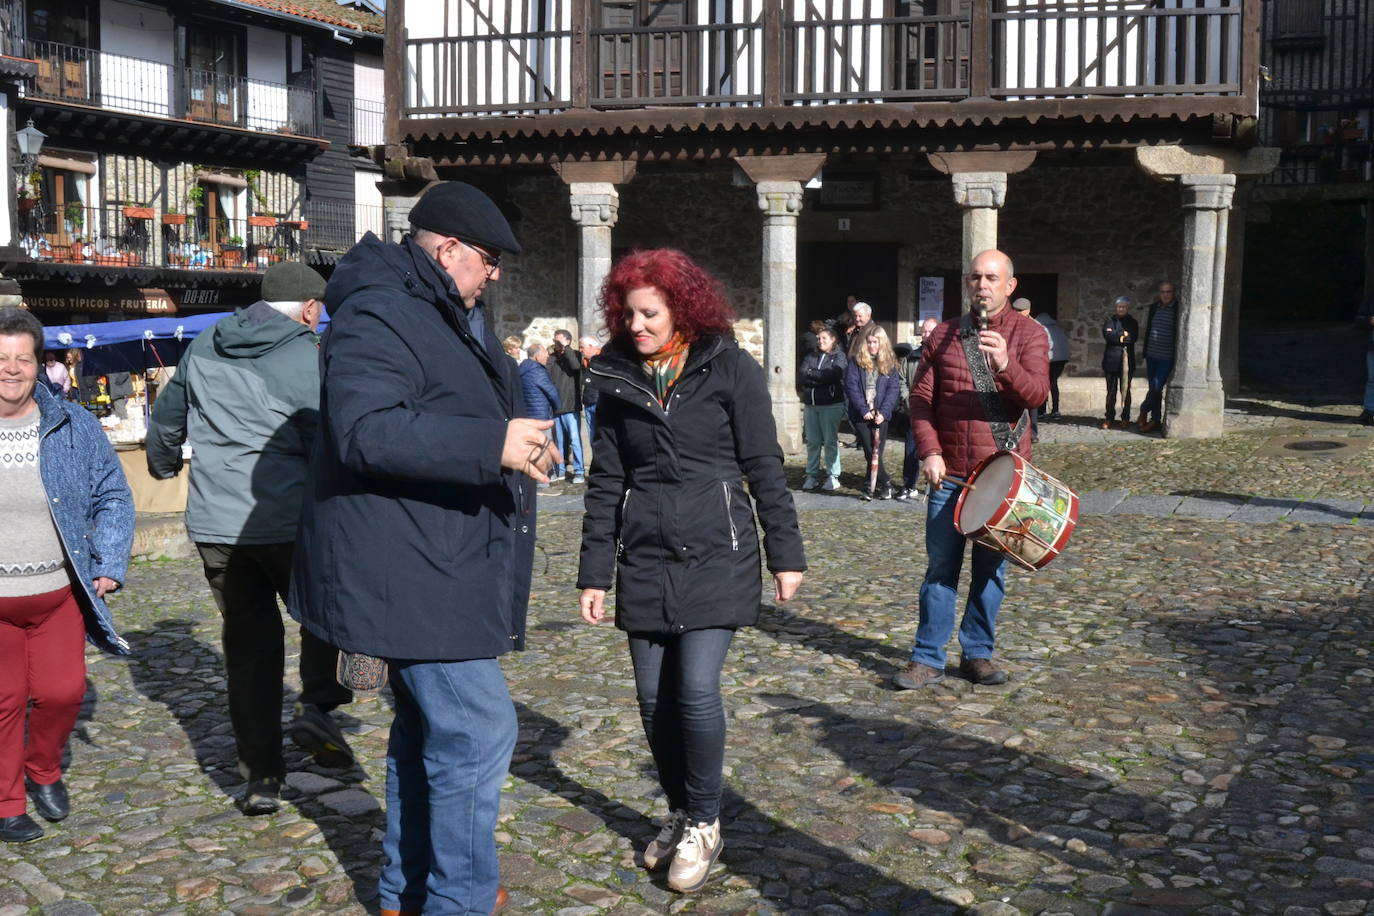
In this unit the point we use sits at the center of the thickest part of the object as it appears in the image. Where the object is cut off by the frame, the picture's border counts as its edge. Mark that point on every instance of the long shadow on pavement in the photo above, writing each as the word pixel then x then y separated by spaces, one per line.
pixel 758 846
pixel 349 836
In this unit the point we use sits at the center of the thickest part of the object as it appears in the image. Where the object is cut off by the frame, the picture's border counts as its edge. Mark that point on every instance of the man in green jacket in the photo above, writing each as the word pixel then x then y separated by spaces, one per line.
pixel 246 396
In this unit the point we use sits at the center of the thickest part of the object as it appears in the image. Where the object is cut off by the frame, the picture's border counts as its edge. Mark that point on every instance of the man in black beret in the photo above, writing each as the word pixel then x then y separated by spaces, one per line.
pixel 246 396
pixel 417 542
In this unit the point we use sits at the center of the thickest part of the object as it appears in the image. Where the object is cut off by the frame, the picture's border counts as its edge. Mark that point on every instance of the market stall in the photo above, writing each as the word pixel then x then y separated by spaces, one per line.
pixel 117 368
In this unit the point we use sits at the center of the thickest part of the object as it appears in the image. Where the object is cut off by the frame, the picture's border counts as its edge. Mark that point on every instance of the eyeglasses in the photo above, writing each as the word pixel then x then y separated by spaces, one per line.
pixel 491 261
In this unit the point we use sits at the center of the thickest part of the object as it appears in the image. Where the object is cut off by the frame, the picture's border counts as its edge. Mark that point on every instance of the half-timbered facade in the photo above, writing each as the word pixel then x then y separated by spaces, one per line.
pixel 806 150
pixel 188 146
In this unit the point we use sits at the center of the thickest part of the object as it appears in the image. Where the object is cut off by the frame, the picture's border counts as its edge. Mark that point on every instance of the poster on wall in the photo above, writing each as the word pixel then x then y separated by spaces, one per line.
pixel 931 299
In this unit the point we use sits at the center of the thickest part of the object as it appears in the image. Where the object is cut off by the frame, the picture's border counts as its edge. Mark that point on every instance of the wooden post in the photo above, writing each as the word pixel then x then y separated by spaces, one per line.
pixel 581 57
pixel 979 50
pixel 393 72
pixel 773 53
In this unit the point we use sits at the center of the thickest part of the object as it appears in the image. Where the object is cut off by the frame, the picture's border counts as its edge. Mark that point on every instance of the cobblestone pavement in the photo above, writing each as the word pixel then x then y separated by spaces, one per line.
pixel 1187 729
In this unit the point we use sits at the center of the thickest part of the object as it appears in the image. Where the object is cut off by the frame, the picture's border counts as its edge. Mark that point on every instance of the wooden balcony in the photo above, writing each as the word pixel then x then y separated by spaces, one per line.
pixel 120 83
pixel 495 77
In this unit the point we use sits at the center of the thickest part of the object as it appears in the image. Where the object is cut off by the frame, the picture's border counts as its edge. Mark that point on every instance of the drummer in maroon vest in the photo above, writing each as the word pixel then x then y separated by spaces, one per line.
pixel 952 436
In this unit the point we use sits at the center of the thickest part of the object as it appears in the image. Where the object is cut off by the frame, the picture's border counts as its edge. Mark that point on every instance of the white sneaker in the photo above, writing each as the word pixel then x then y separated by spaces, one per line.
pixel 697 851
pixel 809 483
pixel 578 478
pixel 831 483
pixel 659 852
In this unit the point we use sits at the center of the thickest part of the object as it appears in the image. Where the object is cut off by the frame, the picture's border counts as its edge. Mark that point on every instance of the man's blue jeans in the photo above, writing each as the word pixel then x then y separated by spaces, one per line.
pixel 451 743
pixel 568 438
pixel 590 411
pixel 940 590
pixel 1157 373
pixel 1369 381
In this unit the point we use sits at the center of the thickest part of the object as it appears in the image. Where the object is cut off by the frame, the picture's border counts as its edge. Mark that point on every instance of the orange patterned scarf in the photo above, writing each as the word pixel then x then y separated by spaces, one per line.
pixel 665 366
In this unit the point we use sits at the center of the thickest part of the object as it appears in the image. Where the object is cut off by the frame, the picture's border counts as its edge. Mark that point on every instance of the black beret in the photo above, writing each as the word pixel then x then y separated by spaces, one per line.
pixel 463 212
pixel 291 281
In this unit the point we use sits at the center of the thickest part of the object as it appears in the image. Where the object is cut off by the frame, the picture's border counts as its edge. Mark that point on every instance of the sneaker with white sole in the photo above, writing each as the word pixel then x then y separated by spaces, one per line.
pixel 831 483
pixel 696 852
pixel 809 483
pixel 660 850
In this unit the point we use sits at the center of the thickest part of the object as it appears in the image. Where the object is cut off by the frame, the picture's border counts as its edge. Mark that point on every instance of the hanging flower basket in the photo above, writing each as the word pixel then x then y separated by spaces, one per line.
pixel 138 212
pixel 174 219
pixel 27 203
pixel 301 224
pixel 263 221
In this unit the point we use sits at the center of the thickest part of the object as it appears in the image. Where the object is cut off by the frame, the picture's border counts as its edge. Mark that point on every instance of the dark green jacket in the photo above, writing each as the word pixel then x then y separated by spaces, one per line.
pixel 246 395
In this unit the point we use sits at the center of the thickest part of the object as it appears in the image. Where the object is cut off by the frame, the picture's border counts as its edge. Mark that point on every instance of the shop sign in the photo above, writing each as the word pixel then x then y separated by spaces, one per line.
pixel 114 299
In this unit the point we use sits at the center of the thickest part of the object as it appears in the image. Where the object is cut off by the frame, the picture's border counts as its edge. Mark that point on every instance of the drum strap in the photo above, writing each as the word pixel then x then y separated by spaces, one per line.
pixel 1002 433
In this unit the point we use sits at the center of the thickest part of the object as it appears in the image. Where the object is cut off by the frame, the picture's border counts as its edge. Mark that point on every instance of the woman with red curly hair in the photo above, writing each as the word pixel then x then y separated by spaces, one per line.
pixel 683 418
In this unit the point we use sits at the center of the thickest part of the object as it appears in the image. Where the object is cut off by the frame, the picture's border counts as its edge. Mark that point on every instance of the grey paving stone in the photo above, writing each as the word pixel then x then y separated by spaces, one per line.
pixel 1209 506
pixel 1100 502
pixel 1158 506
pixel 1327 511
pixel 1264 509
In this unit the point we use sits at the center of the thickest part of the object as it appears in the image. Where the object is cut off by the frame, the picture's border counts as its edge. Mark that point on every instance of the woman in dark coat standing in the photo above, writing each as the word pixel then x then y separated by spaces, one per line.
pixel 684 418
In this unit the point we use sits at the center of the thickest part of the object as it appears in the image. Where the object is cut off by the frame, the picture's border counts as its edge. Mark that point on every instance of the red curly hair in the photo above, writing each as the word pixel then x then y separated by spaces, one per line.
pixel 694 297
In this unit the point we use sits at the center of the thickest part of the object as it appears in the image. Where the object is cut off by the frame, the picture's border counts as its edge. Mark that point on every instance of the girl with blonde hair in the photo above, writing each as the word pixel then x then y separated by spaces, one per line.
pixel 871 384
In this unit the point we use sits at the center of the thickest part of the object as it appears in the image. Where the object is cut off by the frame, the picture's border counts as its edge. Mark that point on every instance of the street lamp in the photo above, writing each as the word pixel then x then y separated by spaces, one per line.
pixel 30 141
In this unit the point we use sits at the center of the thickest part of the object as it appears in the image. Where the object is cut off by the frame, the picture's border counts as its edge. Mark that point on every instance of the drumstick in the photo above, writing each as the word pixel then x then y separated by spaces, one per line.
pixel 958 483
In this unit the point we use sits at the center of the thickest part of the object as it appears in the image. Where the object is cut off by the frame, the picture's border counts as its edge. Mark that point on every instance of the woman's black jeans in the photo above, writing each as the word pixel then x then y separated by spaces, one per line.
pixel 677 681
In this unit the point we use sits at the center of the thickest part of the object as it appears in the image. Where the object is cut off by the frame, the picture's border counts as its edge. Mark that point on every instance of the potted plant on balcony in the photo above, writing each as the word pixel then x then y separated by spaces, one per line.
pixel 30 191
pixel 137 211
pixel 173 217
pixel 298 224
pixel 75 216
pixel 232 251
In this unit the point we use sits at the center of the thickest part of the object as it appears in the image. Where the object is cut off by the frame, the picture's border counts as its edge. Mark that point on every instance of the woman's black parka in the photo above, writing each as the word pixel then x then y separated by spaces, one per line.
pixel 668 520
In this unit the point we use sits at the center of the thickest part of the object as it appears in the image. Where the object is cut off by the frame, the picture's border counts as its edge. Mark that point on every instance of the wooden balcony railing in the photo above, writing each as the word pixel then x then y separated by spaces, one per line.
pixel 117 82
pixel 1001 50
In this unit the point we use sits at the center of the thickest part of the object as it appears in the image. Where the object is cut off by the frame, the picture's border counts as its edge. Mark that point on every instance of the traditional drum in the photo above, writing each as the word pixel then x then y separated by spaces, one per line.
pixel 1013 507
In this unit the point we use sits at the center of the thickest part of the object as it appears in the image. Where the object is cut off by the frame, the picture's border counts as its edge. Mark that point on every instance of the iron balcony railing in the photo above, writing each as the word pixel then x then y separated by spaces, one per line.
pixel 337 225
pixel 119 82
pixel 116 235
pixel 1004 50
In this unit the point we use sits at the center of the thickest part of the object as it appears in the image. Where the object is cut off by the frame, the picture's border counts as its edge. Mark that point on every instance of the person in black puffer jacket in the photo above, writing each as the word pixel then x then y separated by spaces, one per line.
pixel 684 419
pixel 822 392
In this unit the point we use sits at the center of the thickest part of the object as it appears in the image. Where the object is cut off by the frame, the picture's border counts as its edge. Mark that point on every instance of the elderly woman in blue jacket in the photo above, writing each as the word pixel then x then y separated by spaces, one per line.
pixel 871 386
pixel 71 522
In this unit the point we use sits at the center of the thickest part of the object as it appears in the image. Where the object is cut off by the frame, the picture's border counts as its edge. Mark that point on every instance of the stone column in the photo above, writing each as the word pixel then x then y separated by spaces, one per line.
pixel 595 208
pixel 1195 401
pixel 979 195
pixel 781 203
pixel 778 181
pixel 979 180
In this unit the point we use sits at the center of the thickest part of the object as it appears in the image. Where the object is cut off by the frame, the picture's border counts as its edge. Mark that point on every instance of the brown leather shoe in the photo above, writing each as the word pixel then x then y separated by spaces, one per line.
pixel 981 671
pixel 1149 427
pixel 400 913
pixel 502 898
pixel 1106 424
pixel 916 675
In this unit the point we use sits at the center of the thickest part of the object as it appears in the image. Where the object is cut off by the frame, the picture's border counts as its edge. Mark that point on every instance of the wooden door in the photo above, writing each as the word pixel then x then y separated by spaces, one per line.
pixel 638 62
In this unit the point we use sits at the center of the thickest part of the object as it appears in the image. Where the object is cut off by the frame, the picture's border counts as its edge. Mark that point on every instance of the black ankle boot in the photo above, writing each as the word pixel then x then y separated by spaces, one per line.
pixel 19 829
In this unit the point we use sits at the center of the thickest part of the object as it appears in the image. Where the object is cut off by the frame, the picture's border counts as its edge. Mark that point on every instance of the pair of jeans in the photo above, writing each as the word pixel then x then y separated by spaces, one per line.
pixel 1113 383
pixel 1052 402
pixel 246 580
pixel 568 437
pixel 1369 381
pixel 911 462
pixel 450 747
pixel 864 432
pixel 940 590
pixel 42 657
pixel 822 422
pixel 590 412
pixel 1157 373
pixel 677 683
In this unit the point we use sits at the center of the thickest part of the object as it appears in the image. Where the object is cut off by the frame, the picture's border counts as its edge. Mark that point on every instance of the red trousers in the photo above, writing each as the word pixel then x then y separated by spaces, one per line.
pixel 42 657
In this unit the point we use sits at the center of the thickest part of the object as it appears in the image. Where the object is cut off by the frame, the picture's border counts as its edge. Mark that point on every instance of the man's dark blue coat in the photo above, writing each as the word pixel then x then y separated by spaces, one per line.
pixel 414 542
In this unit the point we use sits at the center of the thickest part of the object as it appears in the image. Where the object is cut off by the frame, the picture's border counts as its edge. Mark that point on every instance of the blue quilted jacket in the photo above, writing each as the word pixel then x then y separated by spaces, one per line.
pixel 91 505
